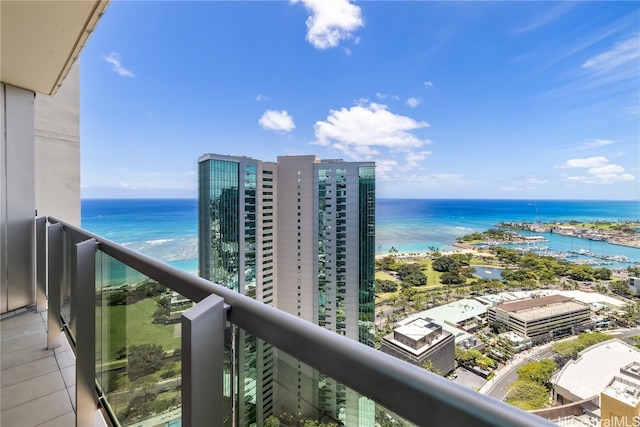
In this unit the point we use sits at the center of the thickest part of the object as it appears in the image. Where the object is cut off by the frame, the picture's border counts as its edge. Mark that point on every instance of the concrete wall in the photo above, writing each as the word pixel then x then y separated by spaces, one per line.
pixel 17 182
pixel 57 151
pixel 568 410
pixel 39 175
pixel 441 354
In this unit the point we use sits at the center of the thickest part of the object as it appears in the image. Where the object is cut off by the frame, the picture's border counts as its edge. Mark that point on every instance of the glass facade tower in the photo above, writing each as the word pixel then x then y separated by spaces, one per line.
pixel 298 234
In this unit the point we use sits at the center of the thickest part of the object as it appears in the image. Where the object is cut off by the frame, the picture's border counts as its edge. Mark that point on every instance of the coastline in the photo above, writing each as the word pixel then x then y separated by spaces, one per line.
pixel 426 254
pixel 624 236
pixel 463 247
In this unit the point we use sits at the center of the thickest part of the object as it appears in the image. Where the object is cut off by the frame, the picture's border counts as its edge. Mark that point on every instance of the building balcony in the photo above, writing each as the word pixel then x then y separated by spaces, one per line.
pixel 150 345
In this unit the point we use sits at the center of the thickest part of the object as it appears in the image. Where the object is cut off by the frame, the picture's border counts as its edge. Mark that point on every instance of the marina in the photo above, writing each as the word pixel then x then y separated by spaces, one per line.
pixel 596 253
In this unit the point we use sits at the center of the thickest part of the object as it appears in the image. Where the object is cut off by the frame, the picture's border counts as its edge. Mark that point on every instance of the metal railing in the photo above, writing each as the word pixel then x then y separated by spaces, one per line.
pixel 404 389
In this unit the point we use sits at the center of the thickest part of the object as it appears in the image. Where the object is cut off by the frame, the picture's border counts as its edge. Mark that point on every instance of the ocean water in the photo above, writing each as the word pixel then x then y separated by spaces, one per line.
pixel 167 229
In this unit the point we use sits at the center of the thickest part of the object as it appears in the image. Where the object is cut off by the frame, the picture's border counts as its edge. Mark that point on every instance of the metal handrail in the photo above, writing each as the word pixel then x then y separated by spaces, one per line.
pixel 405 389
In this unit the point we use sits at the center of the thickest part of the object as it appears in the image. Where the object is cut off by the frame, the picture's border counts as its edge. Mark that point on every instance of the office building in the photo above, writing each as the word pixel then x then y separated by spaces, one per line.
pixel 418 340
pixel 543 318
pixel 297 234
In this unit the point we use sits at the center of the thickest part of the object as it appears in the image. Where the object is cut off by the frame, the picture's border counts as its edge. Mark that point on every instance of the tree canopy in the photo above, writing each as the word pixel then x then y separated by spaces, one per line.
pixel 572 347
pixel 446 263
pixel 411 274
pixel 538 371
pixel 144 359
pixel 528 395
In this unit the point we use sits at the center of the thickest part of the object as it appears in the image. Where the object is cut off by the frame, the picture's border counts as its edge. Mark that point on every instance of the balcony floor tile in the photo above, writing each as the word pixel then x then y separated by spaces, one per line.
pixel 19 357
pixel 66 420
pixel 37 411
pixel 34 340
pixel 29 370
pixel 37 384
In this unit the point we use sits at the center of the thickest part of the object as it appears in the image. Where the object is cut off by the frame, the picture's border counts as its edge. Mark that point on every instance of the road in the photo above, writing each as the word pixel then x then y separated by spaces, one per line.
pixel 499 386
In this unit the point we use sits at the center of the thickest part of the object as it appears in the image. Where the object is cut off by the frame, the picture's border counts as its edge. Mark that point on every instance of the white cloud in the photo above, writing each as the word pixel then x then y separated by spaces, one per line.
pixel 277 120
pixel 552 15
pixel 623 52
pixel 423 178
pixel 128 186
pixel 331 21
pixel 523 184
pixel 428 84
pixel 362 130
pixel 510 188
pixel 114 59
pixel 598 143
pixel 260 97
pixel 588 162
pixel 599 171
pixel 607 170
pixel 535 180
pixel 413 102
pixel 414 158
pixel 385 167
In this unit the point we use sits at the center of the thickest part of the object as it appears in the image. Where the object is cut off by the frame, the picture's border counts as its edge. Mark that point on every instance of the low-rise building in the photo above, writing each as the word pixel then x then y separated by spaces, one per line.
pixel 420 339
pixel 459 318
pixel 593 371
pixel 620 401
pixel 543 318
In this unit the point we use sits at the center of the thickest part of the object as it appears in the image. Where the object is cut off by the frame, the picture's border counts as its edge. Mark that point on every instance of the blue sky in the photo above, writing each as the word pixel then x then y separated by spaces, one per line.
pixel 523 100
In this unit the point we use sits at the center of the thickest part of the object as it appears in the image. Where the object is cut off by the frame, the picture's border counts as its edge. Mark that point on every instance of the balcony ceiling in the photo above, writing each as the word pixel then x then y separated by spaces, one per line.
pixel 40 40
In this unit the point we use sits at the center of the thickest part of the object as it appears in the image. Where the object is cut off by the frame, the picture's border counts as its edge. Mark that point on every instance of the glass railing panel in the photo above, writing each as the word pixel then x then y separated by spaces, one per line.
pixel 138 345
pixel 273 387
pixel 67 286
pixel 386 418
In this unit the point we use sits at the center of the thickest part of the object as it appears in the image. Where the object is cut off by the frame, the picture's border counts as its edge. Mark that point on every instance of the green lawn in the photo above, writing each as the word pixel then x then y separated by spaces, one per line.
pixel 383 275
pixel 132 324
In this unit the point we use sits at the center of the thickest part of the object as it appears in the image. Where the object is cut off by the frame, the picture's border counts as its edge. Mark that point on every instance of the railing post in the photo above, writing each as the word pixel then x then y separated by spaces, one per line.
pixel 55 252
pixel 203 363
pixel 41 264
pixel 85 333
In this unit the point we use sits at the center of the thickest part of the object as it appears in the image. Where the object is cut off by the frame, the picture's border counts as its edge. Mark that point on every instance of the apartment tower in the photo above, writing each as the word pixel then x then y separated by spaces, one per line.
pixel 297 234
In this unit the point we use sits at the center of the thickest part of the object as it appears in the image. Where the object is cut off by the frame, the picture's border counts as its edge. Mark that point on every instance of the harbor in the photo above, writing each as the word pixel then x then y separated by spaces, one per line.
pixel 596 253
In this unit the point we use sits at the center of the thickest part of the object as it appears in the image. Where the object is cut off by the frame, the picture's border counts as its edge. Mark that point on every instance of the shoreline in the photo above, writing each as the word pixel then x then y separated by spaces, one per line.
pixel 478 252
pixel 424 254
pixel 626 236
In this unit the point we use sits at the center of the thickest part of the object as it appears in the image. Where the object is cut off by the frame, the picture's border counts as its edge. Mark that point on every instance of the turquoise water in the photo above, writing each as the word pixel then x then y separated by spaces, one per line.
pixel 167 229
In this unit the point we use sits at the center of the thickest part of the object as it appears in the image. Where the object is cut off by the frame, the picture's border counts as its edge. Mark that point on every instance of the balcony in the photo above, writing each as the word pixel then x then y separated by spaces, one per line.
pixel 154 345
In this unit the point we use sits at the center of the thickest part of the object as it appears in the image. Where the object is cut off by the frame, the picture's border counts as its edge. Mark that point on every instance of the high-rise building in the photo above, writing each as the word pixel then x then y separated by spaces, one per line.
pixel 297 234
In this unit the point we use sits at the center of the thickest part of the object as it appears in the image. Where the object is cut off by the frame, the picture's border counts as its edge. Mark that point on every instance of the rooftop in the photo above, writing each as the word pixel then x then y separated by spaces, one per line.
pixel 449 315
pixel 546 311
pixel 594 368
pixel 624 390
pixel 524 304
pixel 416 330
pixel 586 297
